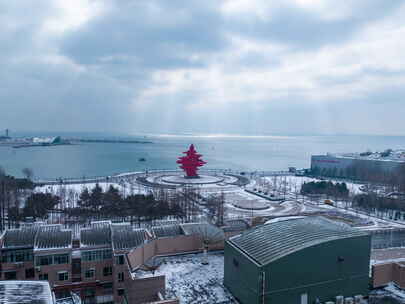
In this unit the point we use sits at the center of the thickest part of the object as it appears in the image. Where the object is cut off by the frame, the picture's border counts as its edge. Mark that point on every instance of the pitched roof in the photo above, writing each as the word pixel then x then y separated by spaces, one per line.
pixel 272 241
pixel 23 238
pixel 235 225
pixel 96 235
pixel 53 236
pixel 126 237
pixel 208 232
pixel 167 230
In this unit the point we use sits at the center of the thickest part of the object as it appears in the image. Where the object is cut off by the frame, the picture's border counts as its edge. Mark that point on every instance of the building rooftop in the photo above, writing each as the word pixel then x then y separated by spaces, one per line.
pixel 210 233
pixel 272 241
pixel 96 235
pixel 25 292
pixel 124 236
pixel 190 281
pixel 19 238
pixel 235 225
pixel 53 237
pixel 387 155
pixel 167 230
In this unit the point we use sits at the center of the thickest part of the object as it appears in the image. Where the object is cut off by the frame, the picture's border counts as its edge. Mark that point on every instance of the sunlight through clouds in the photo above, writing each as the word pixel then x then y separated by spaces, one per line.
pixel 126 61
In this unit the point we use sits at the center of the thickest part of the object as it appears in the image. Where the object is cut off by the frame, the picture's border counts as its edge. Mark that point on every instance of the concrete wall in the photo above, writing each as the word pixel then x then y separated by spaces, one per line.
pixel 382 274
pixel 178 244
pixel 170 246
pixel 144 290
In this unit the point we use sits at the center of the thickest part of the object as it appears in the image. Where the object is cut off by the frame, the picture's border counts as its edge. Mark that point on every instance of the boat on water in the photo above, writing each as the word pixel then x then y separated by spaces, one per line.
pixel 142 159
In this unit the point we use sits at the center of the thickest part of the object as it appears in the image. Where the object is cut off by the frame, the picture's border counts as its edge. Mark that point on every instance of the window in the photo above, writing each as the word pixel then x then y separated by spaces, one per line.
pixel 12 256
pixel 90 292
pixel 89 273
pixel 44 260
pixel 62 294
pixel 120 277
pixel 121 291
pixel 61 259
pixel 107 271
pixel 96 255
pixel 29 273
pixel 107 285
pixel 52 259
pixel 235 262
pixel 10 275
pixel 43 276
pixel 21 256
pixel 120 259
pixel 63 276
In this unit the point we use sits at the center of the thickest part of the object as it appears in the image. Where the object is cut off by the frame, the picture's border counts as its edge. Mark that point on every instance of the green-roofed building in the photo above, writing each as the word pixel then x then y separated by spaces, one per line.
pixel 297 261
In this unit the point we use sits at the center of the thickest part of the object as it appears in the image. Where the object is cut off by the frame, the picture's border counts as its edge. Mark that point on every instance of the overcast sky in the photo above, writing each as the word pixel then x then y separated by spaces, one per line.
pixel 237 66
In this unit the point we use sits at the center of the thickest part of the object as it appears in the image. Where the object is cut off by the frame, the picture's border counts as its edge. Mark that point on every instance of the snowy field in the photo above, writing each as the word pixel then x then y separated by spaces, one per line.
pixel 70 193
pixel 293 183
pixel 192 282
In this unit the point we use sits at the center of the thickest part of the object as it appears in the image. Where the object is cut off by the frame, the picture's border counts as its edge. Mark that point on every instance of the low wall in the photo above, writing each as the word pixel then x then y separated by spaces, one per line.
pixel 382 274
pixel 145 290
pixel 176 301
pixel 170 246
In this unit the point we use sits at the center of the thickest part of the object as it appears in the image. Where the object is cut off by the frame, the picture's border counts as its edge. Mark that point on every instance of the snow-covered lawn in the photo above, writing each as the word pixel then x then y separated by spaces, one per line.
pixel 70 193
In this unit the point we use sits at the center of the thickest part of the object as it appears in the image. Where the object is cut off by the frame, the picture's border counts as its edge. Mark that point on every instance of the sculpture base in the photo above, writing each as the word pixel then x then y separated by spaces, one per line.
pixel 186 180
pixel 190 177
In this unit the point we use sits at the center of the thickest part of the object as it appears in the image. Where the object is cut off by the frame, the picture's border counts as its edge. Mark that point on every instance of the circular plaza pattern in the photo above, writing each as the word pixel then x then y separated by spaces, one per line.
pixel 174 179
pixel 201 180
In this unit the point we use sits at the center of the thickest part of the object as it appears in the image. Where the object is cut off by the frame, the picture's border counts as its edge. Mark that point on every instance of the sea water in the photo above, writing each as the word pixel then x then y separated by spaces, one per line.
pixel 248 153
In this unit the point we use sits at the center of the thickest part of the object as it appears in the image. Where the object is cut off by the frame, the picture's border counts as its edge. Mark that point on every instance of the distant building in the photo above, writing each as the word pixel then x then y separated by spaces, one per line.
pixel 297 261
pixel 357 165
pixel 47 140
pixel 6 137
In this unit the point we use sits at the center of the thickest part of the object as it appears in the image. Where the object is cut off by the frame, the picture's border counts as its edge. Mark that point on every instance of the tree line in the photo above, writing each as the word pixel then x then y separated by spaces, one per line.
pixel 325 187
pixel 377 204
pixel 97 204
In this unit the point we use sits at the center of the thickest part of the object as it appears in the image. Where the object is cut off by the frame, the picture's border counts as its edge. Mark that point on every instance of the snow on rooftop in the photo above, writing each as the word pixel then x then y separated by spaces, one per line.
pixel 25 292
pixel 192 282
pixel 285 218
pixel 388 155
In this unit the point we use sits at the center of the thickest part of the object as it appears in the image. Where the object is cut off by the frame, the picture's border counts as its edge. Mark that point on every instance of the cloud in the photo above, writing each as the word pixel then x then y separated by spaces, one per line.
pixel 148 34
pixel 308 24
pixel 238 66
